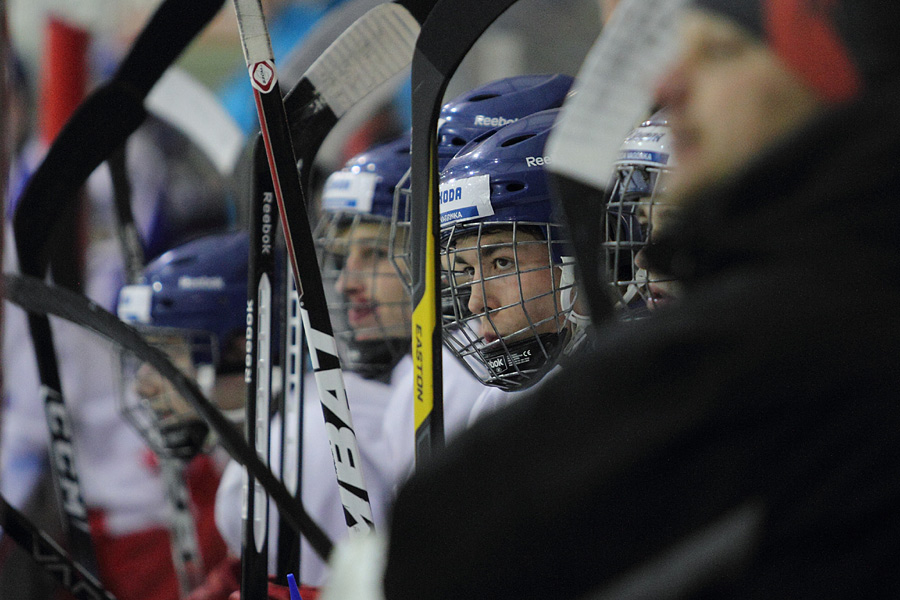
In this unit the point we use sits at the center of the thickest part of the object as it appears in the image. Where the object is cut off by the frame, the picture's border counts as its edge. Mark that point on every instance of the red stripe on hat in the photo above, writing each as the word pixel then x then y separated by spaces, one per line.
pixel 803 36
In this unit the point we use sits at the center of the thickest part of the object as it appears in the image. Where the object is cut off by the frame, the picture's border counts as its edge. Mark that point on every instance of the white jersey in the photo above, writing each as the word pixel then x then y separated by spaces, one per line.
pixel 112 461
pixel 461 389
pixel 319 489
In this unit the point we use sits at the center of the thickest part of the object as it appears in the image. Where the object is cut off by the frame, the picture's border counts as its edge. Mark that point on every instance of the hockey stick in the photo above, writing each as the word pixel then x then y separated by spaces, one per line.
pixel 258 374
pixel 109 115
pixel 47 553
pixel 39 298
pixel 330 68
pixel 437 56
pixel 292 391
pixel 374 49
pixel 295 221
pixel 182 529
pixel 612 93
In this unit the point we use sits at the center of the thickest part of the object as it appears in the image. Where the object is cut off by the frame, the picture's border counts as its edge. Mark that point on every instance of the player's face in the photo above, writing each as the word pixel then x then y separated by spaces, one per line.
pixel 512 284
pixel 653 219
pixel 727 97
pixel 379 306
pixel 226 391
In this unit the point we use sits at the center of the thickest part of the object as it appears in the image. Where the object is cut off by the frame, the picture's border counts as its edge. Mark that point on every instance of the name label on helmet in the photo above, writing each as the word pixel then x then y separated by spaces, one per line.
pixel 134 303
pixel 466 199
pixel 486 121
pixel 346 190
pixel 537 161
pixel 643 156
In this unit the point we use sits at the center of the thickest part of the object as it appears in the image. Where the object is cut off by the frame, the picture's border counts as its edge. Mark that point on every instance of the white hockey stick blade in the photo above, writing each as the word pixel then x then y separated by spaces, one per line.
pixel 370 52
pixel 328 28
pixel 614 89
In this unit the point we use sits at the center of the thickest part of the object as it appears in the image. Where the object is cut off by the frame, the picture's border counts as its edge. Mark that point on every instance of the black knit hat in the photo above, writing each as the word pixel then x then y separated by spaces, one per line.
pixel 839 47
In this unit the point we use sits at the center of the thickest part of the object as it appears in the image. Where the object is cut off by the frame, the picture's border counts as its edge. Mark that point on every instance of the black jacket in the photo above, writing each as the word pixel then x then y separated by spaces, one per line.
pixel 744 443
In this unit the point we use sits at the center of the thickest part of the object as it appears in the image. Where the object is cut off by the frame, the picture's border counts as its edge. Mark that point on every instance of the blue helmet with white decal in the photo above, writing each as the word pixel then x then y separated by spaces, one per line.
pixel 637 205
pixel 369 305
pixel 366 183
pixel 201 287
pixel 505 169
pixel 508 292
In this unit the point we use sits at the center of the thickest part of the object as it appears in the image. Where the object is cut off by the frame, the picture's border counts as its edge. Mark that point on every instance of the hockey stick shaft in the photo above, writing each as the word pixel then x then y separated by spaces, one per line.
pixel 436 58
pixel 297 233
pixel 293 369
pixel 62 449
pixel 258 373
pixel 37 297
pixel 47 553
pixel 182 528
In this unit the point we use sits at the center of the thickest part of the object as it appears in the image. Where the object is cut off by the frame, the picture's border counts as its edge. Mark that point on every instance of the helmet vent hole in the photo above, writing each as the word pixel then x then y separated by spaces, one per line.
pixel 481 97
pixel 515 187
pixel 516 140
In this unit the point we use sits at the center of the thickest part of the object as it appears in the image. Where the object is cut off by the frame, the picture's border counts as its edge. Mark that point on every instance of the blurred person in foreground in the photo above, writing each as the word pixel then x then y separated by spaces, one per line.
pixel 745 443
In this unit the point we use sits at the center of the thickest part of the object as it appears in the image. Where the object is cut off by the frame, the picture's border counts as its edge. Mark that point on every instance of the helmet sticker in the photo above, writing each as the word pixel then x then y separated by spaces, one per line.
pixel 346 190
pixel 466 199
pixel 134 303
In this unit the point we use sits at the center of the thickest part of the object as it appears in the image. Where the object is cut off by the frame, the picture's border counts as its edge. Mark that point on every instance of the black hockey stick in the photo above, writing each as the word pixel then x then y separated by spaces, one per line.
pixel 47 553
pixel 108 116
pixel 39 298
pixel 288 191
pixel 613 92
pixel 182 529
pixel 373 49
pixel 436 59
pixel 258 373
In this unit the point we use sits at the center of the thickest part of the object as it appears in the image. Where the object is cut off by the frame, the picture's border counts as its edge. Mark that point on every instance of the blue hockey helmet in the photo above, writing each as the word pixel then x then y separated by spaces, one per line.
pixel 500 178
pixel 366 183
pixel 470 115
pixel 369 305
pixel 198 287
pixel 496 104
pixel 508 290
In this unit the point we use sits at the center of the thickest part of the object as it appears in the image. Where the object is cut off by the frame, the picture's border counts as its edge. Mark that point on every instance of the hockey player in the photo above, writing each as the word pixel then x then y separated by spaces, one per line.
pixel 510 292
pixel 464 118
pixel 370 310
pixel 355 235
pixel 637 213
